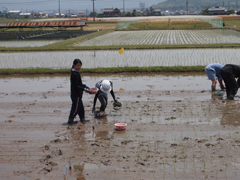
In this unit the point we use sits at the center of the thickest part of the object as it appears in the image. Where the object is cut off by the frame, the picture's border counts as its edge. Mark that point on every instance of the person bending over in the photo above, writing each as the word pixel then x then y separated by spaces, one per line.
pixel 105 86
pixel 229 72
pixel 213 73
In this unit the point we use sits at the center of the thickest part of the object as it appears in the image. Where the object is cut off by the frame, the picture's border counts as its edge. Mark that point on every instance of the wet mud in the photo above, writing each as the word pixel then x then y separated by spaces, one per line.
pixel 176 129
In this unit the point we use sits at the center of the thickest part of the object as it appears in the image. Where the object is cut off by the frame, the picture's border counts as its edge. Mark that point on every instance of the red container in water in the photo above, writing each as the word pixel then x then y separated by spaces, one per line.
pixel 120 126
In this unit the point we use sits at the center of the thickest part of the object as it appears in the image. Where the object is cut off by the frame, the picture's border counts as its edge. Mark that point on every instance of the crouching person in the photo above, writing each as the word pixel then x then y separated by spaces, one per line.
pixel 229 72
pixel 105 86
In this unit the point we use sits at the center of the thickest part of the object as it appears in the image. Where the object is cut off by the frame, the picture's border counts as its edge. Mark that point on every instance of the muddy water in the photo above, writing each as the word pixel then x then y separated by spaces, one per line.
pixel 129 82
pixel 176 129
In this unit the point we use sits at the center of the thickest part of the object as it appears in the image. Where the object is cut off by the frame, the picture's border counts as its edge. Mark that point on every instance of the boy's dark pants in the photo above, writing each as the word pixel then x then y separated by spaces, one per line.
pixel 77 108
pixel 103 101
pixel 230 81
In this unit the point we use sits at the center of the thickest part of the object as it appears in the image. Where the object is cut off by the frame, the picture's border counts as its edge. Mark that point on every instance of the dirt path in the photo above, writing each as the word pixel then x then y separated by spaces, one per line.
pixel 171 134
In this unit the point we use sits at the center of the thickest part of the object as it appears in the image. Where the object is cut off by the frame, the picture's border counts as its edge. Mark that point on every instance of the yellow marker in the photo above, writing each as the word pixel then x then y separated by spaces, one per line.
pixel 121 51
pixel 121 89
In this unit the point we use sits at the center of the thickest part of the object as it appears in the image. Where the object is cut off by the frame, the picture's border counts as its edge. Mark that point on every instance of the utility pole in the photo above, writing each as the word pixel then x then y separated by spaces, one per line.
pixel 93 11
pixel 236 5
pixel 59 8
pixel 187 6
pixel 123 8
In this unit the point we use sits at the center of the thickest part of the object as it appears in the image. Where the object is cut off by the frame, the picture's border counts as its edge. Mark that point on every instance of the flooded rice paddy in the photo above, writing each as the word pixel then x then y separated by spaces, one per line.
pixel 23 43
pixel 164 37
pixel 140 58
pixel 176 129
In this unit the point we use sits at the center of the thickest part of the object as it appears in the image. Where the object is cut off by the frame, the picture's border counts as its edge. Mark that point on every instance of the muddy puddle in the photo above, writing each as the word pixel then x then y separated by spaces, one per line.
pixel 176 129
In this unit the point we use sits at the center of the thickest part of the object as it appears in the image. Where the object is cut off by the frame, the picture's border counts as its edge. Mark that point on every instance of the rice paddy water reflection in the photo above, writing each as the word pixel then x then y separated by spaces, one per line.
pixel 140 58
pixel 164 37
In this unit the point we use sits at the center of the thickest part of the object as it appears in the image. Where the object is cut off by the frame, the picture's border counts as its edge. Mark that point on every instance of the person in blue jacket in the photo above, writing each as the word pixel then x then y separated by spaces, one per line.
pixel 77 88
pixel 213 73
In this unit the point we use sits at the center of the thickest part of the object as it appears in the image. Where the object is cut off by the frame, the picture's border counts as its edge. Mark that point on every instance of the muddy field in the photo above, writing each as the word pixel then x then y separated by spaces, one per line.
pixel 176 129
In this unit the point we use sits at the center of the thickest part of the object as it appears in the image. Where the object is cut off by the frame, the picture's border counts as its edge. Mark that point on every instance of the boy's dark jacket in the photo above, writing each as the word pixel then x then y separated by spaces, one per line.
pixel 77 87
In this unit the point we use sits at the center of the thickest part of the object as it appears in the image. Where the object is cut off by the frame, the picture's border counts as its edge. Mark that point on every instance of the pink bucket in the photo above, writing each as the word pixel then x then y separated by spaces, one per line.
pixel 120 126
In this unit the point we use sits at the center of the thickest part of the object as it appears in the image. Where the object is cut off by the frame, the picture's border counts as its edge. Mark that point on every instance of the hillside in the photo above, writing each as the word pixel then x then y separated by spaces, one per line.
pixel 173 5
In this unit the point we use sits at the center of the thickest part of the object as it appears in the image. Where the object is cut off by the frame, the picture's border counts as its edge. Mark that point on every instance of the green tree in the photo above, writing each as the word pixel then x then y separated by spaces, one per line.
pixel 238 13
pixel 230 11
pixel 204 12
pixel 91 14
pixel 147 13
pixel 134 13
pixel 151 10
pixel 128 14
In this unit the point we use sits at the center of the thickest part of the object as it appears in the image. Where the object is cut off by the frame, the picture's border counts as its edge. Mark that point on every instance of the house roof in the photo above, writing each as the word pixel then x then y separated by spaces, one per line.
pixel 15 11
pixel 157 10
pixel 217 9
pixel 108 10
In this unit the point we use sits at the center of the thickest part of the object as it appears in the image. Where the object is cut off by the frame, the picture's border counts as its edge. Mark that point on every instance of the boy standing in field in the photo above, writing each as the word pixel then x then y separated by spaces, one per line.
pixel 229 72
pixel 213 73
pixel 77 88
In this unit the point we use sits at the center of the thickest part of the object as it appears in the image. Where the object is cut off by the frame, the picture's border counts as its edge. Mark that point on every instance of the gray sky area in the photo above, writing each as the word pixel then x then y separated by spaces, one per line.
pixel 48 6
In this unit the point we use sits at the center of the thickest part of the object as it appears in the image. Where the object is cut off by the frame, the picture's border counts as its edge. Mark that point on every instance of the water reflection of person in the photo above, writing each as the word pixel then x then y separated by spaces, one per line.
pixel 213 73
pixel 229 117
pixel 101 135
pixel 79 169
pixel 229 72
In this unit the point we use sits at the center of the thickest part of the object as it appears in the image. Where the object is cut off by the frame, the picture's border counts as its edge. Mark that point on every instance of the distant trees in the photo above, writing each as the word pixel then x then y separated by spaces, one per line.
pixel 230 11
pixel 91 14
pixel 134 13
pixel 204 12
pixel 238 13
pixel 128 14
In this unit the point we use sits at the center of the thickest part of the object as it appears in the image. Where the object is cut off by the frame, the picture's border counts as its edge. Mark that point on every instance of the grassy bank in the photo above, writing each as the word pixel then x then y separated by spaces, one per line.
pixel 167 24
pixel 232 22
pixel 104 70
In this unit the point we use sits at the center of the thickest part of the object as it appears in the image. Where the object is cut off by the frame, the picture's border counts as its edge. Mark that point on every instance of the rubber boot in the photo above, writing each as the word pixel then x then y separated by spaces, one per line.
pixel 82 120
pixel 70 120
pixel 231 97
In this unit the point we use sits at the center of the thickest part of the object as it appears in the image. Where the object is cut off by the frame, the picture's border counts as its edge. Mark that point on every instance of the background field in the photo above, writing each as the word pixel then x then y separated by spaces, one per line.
pixel 164 37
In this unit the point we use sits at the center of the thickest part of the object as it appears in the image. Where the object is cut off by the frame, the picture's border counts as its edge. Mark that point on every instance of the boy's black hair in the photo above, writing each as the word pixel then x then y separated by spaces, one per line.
pixel 76 61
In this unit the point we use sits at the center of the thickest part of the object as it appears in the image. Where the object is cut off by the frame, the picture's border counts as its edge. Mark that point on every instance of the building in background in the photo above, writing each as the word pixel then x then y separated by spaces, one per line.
pixel 14 14
pixel 142 6
pixel 216 11
pixel 110 12
pixel 157 12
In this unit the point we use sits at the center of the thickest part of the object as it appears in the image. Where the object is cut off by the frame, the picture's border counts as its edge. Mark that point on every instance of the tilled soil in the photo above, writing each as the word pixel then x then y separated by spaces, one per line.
pixel 170 134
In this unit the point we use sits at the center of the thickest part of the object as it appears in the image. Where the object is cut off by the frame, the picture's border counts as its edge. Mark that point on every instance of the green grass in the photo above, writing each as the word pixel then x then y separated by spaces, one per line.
pixel 166 24
pixel 104 70
pixel 232 22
